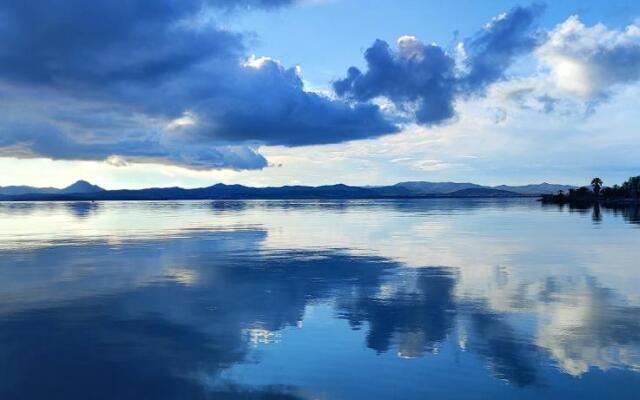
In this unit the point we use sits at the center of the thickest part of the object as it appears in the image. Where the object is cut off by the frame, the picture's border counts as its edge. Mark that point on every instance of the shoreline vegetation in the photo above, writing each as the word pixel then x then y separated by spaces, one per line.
pixel 626 194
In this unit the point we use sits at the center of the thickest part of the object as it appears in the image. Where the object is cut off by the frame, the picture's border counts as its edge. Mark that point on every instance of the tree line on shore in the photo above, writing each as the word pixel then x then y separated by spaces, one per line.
pixel 628 192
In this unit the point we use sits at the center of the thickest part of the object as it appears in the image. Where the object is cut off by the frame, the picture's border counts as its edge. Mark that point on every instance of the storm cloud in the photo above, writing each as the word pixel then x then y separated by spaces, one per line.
pixel 415 75
pixel 425 79
pixel 185 89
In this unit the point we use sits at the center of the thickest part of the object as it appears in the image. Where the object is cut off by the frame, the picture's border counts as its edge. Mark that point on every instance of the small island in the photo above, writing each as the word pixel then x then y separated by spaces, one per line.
pixel 616 195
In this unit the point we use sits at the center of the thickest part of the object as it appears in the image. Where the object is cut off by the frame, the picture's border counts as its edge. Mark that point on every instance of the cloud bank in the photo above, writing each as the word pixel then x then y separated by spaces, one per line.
pixel 149 63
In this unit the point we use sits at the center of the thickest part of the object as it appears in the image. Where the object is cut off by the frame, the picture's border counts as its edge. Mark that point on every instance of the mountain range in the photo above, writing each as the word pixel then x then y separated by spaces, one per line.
pixel 83 190
pixel 450 187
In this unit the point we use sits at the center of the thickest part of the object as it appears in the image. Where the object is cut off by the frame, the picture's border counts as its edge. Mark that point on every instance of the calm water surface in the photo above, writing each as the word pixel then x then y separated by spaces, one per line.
pixel 413 299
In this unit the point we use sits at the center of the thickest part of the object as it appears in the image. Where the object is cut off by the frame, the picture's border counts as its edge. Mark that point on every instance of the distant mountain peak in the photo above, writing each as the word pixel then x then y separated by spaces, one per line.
pixel 81 186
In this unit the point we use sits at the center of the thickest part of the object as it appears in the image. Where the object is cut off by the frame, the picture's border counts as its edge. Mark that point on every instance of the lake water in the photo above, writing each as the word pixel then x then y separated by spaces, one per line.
pixel 410 299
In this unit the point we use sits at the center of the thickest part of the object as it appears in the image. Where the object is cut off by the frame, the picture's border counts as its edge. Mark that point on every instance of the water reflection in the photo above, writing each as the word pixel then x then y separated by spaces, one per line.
pixel 588 326
pixel 413 310
pixel 596 214
pixel 509 356
pixel 82 209
pixel 237 311
pixel 629 212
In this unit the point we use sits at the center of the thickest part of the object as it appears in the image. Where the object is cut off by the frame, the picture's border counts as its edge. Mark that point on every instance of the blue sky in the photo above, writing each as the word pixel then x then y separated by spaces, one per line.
pixel 331 34
pixel 274 92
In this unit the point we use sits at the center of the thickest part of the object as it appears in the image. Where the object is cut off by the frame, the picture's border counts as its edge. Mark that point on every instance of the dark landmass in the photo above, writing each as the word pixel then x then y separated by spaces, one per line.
pixel 616 195
pixel 84 191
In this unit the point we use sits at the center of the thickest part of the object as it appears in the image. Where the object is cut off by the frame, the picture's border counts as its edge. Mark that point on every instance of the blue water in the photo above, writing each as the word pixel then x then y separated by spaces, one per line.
pixel 411 299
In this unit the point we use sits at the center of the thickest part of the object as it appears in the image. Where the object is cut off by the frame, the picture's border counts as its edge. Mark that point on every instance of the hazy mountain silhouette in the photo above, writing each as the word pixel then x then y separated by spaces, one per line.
pixel 542 188
pixel 436 187
pixel 83 190
pixel 451 187
pixel 21 189
pixel 483 192
pixel 80 186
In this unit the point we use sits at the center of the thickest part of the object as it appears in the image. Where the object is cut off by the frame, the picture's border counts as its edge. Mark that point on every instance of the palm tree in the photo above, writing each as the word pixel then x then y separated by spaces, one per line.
pixel 596 183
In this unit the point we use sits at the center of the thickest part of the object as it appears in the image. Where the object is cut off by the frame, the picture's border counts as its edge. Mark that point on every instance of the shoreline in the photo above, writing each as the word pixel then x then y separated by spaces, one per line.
pixel 239 198
pixel 590 202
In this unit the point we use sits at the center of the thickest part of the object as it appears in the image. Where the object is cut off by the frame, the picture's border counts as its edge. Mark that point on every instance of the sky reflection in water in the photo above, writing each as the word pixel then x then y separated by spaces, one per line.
pixel 359 299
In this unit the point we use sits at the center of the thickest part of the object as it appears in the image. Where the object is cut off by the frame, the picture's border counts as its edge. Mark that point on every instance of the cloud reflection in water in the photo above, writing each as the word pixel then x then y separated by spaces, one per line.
pixel 173 316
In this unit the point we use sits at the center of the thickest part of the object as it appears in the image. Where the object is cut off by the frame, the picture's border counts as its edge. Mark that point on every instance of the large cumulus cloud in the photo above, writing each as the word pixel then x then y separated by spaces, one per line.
pixel 415 74
pixel 425 79
pixel 182 87
pixel 263 96
pixel 589 61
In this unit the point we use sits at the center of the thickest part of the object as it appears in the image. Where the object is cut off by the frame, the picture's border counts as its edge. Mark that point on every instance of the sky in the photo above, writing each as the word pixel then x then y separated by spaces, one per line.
pixel 140 93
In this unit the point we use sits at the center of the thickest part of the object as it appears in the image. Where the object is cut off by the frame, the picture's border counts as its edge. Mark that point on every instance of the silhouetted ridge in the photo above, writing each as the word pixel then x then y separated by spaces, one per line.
pixel 484 192
pixel 80 186
pixel 83 190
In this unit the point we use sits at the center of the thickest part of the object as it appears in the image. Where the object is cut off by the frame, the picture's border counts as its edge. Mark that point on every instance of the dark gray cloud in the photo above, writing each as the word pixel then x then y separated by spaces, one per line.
pixel 416 73
pixel 269 98
pixel 75 44
pixel 425 79
pixel 149 62
pixel 492 50
pixel 46 138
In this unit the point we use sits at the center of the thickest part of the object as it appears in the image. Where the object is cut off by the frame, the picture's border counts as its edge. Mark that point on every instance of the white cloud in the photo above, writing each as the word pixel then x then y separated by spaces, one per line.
pixel 410 47
pixel 588 61
pixel 433 165
pixel 186 120
pixel 259 62
pixel 116 161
